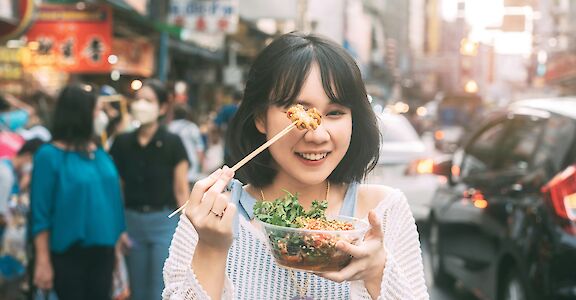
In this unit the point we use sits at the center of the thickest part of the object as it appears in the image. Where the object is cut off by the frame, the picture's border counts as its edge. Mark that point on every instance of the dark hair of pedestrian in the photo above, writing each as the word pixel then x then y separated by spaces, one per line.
pixel 31 146
pixel 276 78
pixel 74 116
pixel 181 112
pixel 159 89
pixel 3 103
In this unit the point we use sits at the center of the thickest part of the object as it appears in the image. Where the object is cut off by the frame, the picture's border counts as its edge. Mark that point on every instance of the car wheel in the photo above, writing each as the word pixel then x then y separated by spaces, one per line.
pixel 512 287
pixel 441 278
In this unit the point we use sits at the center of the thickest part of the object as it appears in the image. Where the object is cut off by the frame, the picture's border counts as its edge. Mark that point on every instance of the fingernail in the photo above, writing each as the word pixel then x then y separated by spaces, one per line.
pixel 227 171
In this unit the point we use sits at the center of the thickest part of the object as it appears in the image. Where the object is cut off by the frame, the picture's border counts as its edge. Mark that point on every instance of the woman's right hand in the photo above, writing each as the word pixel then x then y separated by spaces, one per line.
pixel 210 211
pixel 43 275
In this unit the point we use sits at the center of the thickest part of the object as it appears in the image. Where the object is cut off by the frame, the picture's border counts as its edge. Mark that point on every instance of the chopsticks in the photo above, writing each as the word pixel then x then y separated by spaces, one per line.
pixel 250 156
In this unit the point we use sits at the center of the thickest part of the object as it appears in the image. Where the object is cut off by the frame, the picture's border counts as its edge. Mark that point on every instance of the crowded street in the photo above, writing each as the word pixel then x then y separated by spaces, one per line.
pixel 287 149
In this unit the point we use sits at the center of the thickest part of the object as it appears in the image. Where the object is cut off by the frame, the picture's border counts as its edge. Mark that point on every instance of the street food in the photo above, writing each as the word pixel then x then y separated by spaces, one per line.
pixel 305 119
pixel 306 240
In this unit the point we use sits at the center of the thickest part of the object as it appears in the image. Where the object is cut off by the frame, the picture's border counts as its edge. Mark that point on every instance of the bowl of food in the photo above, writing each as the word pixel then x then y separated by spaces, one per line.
pixel 306 240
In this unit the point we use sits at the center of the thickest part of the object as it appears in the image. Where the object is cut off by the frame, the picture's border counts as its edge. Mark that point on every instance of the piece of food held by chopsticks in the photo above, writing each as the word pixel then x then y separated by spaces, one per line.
pixel 301 118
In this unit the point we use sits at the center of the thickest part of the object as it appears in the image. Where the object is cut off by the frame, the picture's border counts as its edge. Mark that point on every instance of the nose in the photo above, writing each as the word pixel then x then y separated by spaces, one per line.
pixel 318 136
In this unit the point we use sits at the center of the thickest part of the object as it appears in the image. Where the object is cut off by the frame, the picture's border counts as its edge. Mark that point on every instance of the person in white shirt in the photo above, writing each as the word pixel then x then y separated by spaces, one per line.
pixel 191 138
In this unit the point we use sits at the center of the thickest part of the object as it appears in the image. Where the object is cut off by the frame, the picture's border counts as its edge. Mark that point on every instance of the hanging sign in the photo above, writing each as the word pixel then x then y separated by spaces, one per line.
pixel 205 16
pixel 72 38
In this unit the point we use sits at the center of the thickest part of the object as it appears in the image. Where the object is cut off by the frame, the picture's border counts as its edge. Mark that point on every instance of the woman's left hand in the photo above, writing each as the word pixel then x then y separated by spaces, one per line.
pixel 368 257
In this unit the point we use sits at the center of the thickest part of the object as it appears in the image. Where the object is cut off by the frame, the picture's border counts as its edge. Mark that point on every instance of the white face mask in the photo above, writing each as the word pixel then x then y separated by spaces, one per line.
pixel 144 111
pixel 100 122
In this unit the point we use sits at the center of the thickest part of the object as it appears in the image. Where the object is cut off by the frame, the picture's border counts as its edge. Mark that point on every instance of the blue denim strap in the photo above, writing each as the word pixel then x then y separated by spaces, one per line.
pixel 349 204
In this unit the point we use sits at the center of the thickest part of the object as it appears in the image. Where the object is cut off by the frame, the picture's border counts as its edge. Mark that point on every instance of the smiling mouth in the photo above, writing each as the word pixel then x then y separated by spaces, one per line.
pixel 313 156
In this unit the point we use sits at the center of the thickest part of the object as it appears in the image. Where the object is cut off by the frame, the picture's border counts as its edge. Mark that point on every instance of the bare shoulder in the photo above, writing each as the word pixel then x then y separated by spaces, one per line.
pixel 370 196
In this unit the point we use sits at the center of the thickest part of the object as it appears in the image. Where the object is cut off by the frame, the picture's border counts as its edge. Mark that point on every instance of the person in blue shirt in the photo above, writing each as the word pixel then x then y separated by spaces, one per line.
pixel 77 214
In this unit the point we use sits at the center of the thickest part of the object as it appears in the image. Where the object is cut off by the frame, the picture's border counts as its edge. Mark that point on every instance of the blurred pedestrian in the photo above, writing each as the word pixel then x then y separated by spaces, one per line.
pixel 153 165
pixel 11 171
pixel 224 117
pixel 191 136
pixel 76 204
pixel 116 107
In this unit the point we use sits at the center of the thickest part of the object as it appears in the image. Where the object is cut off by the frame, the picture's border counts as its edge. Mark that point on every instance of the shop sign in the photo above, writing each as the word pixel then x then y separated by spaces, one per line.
pixel 71 39
pixel 561 67
pixel 135 56
pixel 205 16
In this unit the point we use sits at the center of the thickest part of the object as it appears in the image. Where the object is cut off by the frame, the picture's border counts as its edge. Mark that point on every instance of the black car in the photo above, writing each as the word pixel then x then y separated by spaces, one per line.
pixel 504 221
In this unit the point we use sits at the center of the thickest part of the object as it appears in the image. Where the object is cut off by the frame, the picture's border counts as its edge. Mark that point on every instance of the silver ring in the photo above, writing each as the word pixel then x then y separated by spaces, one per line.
pixel 218 215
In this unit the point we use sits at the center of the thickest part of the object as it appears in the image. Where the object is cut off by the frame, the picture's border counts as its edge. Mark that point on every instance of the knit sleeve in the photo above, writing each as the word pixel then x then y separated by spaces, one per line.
pixel 180 281
pixel 403 276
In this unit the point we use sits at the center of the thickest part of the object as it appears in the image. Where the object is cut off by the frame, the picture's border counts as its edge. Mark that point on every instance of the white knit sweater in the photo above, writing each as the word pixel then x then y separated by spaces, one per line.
pixel 253 274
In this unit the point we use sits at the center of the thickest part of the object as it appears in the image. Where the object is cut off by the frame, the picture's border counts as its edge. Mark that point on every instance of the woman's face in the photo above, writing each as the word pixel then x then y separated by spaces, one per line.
pixel 309 157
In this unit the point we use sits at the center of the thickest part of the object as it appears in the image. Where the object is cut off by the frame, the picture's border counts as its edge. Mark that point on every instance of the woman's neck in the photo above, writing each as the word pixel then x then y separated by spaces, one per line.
pixel 146 132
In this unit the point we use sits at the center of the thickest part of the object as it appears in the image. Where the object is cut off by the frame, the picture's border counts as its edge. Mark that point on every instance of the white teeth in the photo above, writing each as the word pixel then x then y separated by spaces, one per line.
pixel 313 156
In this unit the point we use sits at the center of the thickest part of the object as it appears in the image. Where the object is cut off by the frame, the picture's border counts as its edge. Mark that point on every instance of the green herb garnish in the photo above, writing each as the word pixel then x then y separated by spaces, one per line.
pixel 285 211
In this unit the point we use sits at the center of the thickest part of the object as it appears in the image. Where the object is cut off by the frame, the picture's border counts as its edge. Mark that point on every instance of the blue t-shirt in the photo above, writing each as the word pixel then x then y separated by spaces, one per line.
pixel 76 198
pixel 225 114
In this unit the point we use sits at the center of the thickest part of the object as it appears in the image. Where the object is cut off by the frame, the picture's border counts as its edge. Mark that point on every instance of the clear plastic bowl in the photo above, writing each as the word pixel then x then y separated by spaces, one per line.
pixel 312 250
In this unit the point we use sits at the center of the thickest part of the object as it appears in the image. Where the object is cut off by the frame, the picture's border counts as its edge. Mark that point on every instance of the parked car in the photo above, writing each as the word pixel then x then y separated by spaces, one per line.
pixel 406 162
pixel 504 223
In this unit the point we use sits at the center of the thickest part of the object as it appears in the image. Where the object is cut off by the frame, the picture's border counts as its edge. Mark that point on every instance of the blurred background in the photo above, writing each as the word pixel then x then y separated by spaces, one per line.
pixel 489 173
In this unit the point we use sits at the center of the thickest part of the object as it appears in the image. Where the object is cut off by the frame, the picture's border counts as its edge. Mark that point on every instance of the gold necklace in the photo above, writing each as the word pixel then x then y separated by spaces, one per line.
pixel 302 291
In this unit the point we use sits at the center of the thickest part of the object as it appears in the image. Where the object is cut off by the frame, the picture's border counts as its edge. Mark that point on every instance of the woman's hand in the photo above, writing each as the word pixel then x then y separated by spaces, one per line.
pixel 210 211
pixel 43 274
pixel 368 258
pixel 124 244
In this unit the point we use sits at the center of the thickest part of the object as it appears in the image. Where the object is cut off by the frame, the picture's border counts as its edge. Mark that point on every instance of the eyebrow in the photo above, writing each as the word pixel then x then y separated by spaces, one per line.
pixel 308 104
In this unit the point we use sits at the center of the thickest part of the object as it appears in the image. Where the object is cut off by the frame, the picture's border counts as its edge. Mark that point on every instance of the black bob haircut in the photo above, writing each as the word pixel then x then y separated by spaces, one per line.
pixel 276 78
pixel 74 116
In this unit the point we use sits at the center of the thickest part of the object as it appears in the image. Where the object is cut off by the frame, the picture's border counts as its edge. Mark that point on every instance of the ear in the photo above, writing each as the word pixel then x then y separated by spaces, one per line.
pixel 260 122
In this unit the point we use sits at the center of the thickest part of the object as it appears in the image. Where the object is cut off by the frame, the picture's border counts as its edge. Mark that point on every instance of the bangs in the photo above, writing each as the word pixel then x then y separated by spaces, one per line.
pixel 293 71
pixel 287 82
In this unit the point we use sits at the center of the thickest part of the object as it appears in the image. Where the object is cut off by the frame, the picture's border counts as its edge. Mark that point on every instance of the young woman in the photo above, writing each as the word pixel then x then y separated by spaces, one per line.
pixel 217 252
pixel 77 214
pixel 153 165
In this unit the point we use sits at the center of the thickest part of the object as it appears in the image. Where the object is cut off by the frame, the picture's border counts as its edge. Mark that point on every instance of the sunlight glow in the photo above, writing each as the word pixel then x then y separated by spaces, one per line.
pixel 484 13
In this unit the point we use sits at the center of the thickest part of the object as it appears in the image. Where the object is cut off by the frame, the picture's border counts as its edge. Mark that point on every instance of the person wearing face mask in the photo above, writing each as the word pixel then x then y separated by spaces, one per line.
pixel 77 214
pixel 11 171
pixel 153 165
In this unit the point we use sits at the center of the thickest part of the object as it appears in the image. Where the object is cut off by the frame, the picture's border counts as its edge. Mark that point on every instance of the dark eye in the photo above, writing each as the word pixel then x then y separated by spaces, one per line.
pixel 336 113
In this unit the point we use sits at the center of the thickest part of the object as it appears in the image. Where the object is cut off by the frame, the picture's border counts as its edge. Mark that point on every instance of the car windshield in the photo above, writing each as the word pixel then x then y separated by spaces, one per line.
pixel 396 128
